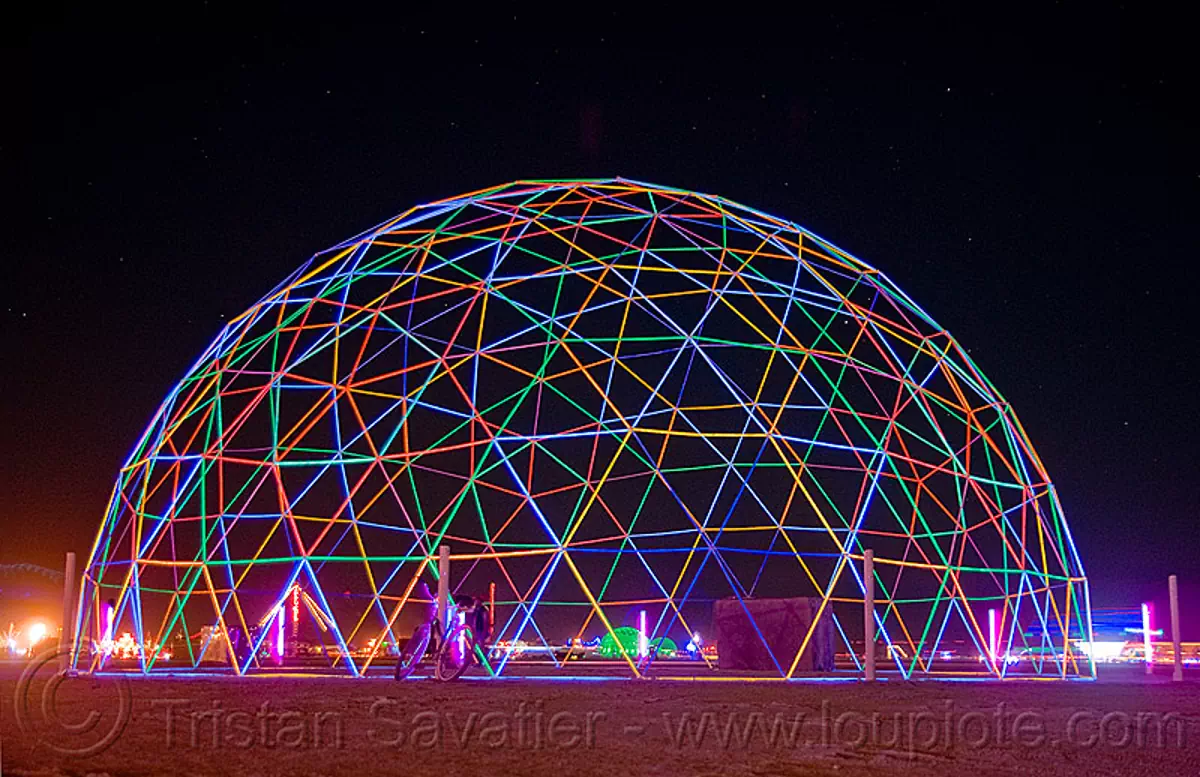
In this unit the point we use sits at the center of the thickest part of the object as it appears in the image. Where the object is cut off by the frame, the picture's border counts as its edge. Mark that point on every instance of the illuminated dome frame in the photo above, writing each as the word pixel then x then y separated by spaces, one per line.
pixel 606 397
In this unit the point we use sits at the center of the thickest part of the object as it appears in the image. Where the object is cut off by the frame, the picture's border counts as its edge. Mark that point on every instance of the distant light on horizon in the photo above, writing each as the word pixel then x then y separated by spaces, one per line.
pixel 37 632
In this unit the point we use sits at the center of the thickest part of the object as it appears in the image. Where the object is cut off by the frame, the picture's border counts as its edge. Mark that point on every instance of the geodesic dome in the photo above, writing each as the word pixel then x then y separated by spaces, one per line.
pixel 605 397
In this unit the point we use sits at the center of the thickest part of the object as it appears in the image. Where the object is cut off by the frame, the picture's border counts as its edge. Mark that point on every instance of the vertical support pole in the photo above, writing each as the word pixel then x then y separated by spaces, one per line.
pixel 491 606
pixel 65 636
pixel 280 646
pixel 110 625
pixel 1173 586
pixel 293 648
pixel 443 587
pixel 869 614
pixel 643 644
pixel 992 640
pixel 1146 645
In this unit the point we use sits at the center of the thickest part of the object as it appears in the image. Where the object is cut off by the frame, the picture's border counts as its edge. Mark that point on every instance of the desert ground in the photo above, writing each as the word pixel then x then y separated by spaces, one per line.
pixel 1124 724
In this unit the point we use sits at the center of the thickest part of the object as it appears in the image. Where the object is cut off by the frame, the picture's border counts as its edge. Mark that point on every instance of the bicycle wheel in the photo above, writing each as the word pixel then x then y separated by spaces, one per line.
pixel 456 653
pixel 413 651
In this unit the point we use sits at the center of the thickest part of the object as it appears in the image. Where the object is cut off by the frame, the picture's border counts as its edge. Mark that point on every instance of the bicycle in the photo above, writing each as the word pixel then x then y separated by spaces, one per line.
pixel 643 663
pixel 451 656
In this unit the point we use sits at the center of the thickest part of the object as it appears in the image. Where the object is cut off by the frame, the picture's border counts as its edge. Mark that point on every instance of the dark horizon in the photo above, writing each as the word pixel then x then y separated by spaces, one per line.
pixel 1031 189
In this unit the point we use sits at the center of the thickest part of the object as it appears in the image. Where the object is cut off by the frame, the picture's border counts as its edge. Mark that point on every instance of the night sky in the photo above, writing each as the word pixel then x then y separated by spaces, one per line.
pixel 1031 181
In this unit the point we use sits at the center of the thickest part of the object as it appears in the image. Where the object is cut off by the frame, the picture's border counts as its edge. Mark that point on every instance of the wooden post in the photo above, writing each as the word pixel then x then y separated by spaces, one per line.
pixel 66 635
pixel 1173 586
pixel 869 614
pixel 443 586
